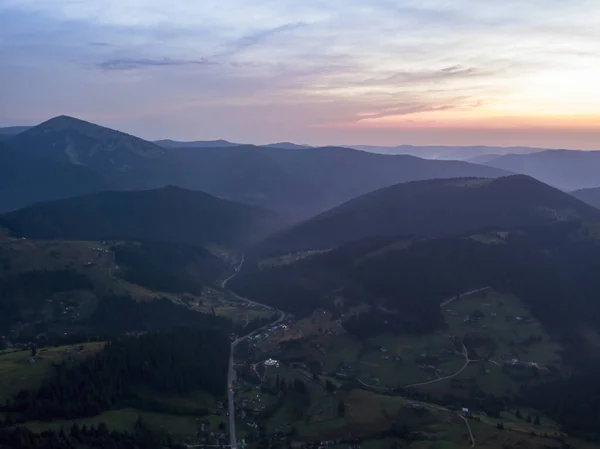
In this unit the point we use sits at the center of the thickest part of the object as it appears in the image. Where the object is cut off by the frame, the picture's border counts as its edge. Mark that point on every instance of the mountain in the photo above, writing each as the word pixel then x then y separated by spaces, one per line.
pixel 590 196
pixel 565 169
pixel 167 143
pixel 10 131
pixel 297 183
pixel 27 179
pixel 446 152
pixel 127 161
pixel 168 214
pixel 287 146
pixel 303 183
pixel 434 208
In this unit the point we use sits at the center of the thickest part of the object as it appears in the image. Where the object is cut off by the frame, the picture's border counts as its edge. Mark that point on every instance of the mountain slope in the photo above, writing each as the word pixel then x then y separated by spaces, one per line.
pixel 169 214
pixel 565 169
pixel 128 161
pixel 433 208
pixel 304 182
pixel 590 196
pixel 26 179
pixel 553 268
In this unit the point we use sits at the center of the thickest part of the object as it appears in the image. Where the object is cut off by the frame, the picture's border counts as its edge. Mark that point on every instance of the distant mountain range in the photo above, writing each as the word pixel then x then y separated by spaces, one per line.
pixel 303 183
pixel 590 196
pixel 169 214
pixel 170 144
pixel 13 130
pixel 297 182
pixel 446 152
pixel 565 169
pixel 434 208
pixel 443 152
pixel 167 143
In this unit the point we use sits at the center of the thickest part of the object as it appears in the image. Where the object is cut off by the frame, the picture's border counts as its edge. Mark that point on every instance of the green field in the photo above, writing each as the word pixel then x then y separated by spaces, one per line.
pixel 502 330
pixel 16 372
pixel 507 323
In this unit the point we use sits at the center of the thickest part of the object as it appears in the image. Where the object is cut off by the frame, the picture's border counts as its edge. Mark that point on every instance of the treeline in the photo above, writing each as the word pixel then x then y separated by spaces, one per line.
pixel 573 402
pixel 117 314
pixel 142 437
pixel 169 362
pixel 170 267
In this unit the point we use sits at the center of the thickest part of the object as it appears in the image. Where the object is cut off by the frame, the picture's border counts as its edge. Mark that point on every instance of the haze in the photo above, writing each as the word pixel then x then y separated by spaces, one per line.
pixel 319 72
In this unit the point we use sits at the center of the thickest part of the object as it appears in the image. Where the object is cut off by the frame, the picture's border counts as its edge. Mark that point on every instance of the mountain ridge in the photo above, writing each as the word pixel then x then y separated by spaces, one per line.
pixel 564 169
pixel 124 159
pixel 433 208
pixel 168 214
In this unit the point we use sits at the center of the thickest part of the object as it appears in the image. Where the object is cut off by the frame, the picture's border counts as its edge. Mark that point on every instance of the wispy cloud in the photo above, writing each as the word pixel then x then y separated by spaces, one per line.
pixel 408 109
pixel 133 63
pixel 423 76
pixel 265 67
pixel 255 38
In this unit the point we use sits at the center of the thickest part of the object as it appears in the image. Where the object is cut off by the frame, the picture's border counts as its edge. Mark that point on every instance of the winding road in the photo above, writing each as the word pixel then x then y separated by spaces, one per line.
pixel 231 376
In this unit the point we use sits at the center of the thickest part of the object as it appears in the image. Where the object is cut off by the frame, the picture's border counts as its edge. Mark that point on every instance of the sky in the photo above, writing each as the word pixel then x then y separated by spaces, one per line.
pixel 379 72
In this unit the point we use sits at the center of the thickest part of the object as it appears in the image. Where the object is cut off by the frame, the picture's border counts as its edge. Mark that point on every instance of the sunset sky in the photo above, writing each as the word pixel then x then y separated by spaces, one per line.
pixel 382 72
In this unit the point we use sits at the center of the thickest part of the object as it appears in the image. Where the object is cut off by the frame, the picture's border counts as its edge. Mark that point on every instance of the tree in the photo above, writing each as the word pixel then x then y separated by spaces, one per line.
pixel 330 386
pixel 518 414
pixel 75 433
pixel 537 421
pixel 529 420
pixel 500 426
pixel 341 409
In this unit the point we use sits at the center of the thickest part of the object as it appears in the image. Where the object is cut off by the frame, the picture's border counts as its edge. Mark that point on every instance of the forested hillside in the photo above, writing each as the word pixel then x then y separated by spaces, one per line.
pixel 167 267
pixel 551 268
pixel 170 214
pixel 169 362
pixel 433 208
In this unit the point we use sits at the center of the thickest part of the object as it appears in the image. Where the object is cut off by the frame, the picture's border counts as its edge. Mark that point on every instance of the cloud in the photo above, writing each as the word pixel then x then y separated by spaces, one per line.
pixel 409 109
pixel 297 63
pixel 423 76
pixel 133 63
pixel 257 37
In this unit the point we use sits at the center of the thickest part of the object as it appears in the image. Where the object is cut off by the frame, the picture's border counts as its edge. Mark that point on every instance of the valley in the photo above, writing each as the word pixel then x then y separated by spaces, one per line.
pixel 259 297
